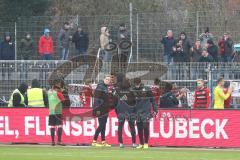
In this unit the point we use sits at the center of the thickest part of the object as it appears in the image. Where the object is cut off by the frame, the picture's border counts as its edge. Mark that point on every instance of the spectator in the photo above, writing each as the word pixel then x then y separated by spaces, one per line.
pixel 168 43
pixel 123 38
pixel 204 37
pixel 7 52
pixel 201 96
pixel 227 102
pixel 86 93
pixel 219 95
pixel 181 95
pixel 212 50
pixel 228 48
pixel 104 43
pixel 178 54
pixel 186 45
pixel 7 48
pixel 123 33
pixel 45 46
pixel 196 51
pixel 183 98
pixel 17 97
pixel 168 99
pixel 221 48
pixel 64 40
pixel 176 91
pixel 156 90
pixel 36 96
pixel 206 57
pixel 81 40
pixel 26 47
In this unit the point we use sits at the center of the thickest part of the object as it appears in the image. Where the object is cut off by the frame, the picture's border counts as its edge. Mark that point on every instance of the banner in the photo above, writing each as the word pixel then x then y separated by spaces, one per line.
pixel 200 128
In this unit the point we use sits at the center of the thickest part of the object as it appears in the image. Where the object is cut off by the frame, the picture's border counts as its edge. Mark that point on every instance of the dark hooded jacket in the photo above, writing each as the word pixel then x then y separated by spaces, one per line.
pixel 228 47
pixel 207 59
pixel 123 35
pixel 104 101
pixel 196 54
pixel 186 48
pixel 168 100
pixel 213 50
pixel 81 40
pixel 126 100
pixel 145 102
pixel 178 55
pixel 7 49
pixel 27 48
pixel 16 96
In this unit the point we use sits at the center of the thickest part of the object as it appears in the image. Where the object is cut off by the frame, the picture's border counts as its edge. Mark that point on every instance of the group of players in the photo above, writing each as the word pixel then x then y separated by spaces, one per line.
pixel 132 101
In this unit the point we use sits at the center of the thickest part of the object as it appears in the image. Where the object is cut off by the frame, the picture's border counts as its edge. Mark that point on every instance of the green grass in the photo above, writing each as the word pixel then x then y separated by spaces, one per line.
pixel 79 153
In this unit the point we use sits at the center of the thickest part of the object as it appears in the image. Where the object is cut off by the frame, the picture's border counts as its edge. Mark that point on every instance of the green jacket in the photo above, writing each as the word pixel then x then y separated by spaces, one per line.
pixel 27 49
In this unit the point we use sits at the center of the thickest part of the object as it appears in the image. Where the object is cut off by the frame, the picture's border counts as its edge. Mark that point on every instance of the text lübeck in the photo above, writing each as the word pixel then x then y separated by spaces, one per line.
pixel 179 128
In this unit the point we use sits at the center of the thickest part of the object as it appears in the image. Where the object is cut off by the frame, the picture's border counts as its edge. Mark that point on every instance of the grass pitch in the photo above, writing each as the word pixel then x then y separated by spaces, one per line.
pixel 23 152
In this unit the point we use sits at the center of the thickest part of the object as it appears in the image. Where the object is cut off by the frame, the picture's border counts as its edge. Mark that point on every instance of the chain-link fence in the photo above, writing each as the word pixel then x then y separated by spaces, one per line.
pixel 146 29
pixel 184 75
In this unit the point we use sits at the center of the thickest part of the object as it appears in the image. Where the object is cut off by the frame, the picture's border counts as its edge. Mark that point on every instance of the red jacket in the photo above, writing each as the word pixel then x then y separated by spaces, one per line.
pixel 227 102
pixel 45 45
pixel 201 98
pixel 221 46
pixel 156 92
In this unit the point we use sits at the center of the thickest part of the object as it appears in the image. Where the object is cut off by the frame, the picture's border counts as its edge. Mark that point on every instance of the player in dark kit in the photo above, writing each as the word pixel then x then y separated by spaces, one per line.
pixel 56 100
pixel 125 110
pixel 104 102
pixel 145 104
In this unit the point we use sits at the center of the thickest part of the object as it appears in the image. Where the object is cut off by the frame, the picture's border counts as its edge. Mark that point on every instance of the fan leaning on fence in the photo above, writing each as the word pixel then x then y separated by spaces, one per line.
pixel 17 97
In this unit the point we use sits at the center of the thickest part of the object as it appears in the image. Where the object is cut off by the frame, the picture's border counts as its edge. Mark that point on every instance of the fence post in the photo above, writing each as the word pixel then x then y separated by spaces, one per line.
pixel 197 25
pixel 210 83
pixel 137 38
pixel 131 29
pixel 77 20
pixel 15 30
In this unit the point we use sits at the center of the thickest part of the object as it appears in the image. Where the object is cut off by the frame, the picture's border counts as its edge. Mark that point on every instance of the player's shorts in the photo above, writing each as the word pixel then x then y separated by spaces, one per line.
pixel 55 120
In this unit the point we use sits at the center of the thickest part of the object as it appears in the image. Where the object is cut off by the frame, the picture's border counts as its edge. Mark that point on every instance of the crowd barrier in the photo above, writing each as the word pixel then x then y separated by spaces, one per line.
pixel 197 128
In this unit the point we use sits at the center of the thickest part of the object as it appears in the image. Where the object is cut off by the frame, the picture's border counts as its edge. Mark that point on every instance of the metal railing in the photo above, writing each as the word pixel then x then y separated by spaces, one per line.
pixel 184 75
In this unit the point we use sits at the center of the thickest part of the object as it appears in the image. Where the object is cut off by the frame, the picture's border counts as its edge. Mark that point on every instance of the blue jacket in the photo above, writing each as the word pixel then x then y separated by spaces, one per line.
pixel 168 44
pixel 7 50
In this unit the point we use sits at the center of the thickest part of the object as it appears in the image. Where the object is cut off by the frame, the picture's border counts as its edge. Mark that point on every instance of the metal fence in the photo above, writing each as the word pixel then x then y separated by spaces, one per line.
pixel 146 29
pixel 184 75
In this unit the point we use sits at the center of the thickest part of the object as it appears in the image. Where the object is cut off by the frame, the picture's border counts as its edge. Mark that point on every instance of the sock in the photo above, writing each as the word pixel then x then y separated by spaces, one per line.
pixel 59 134
pixel 52 133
